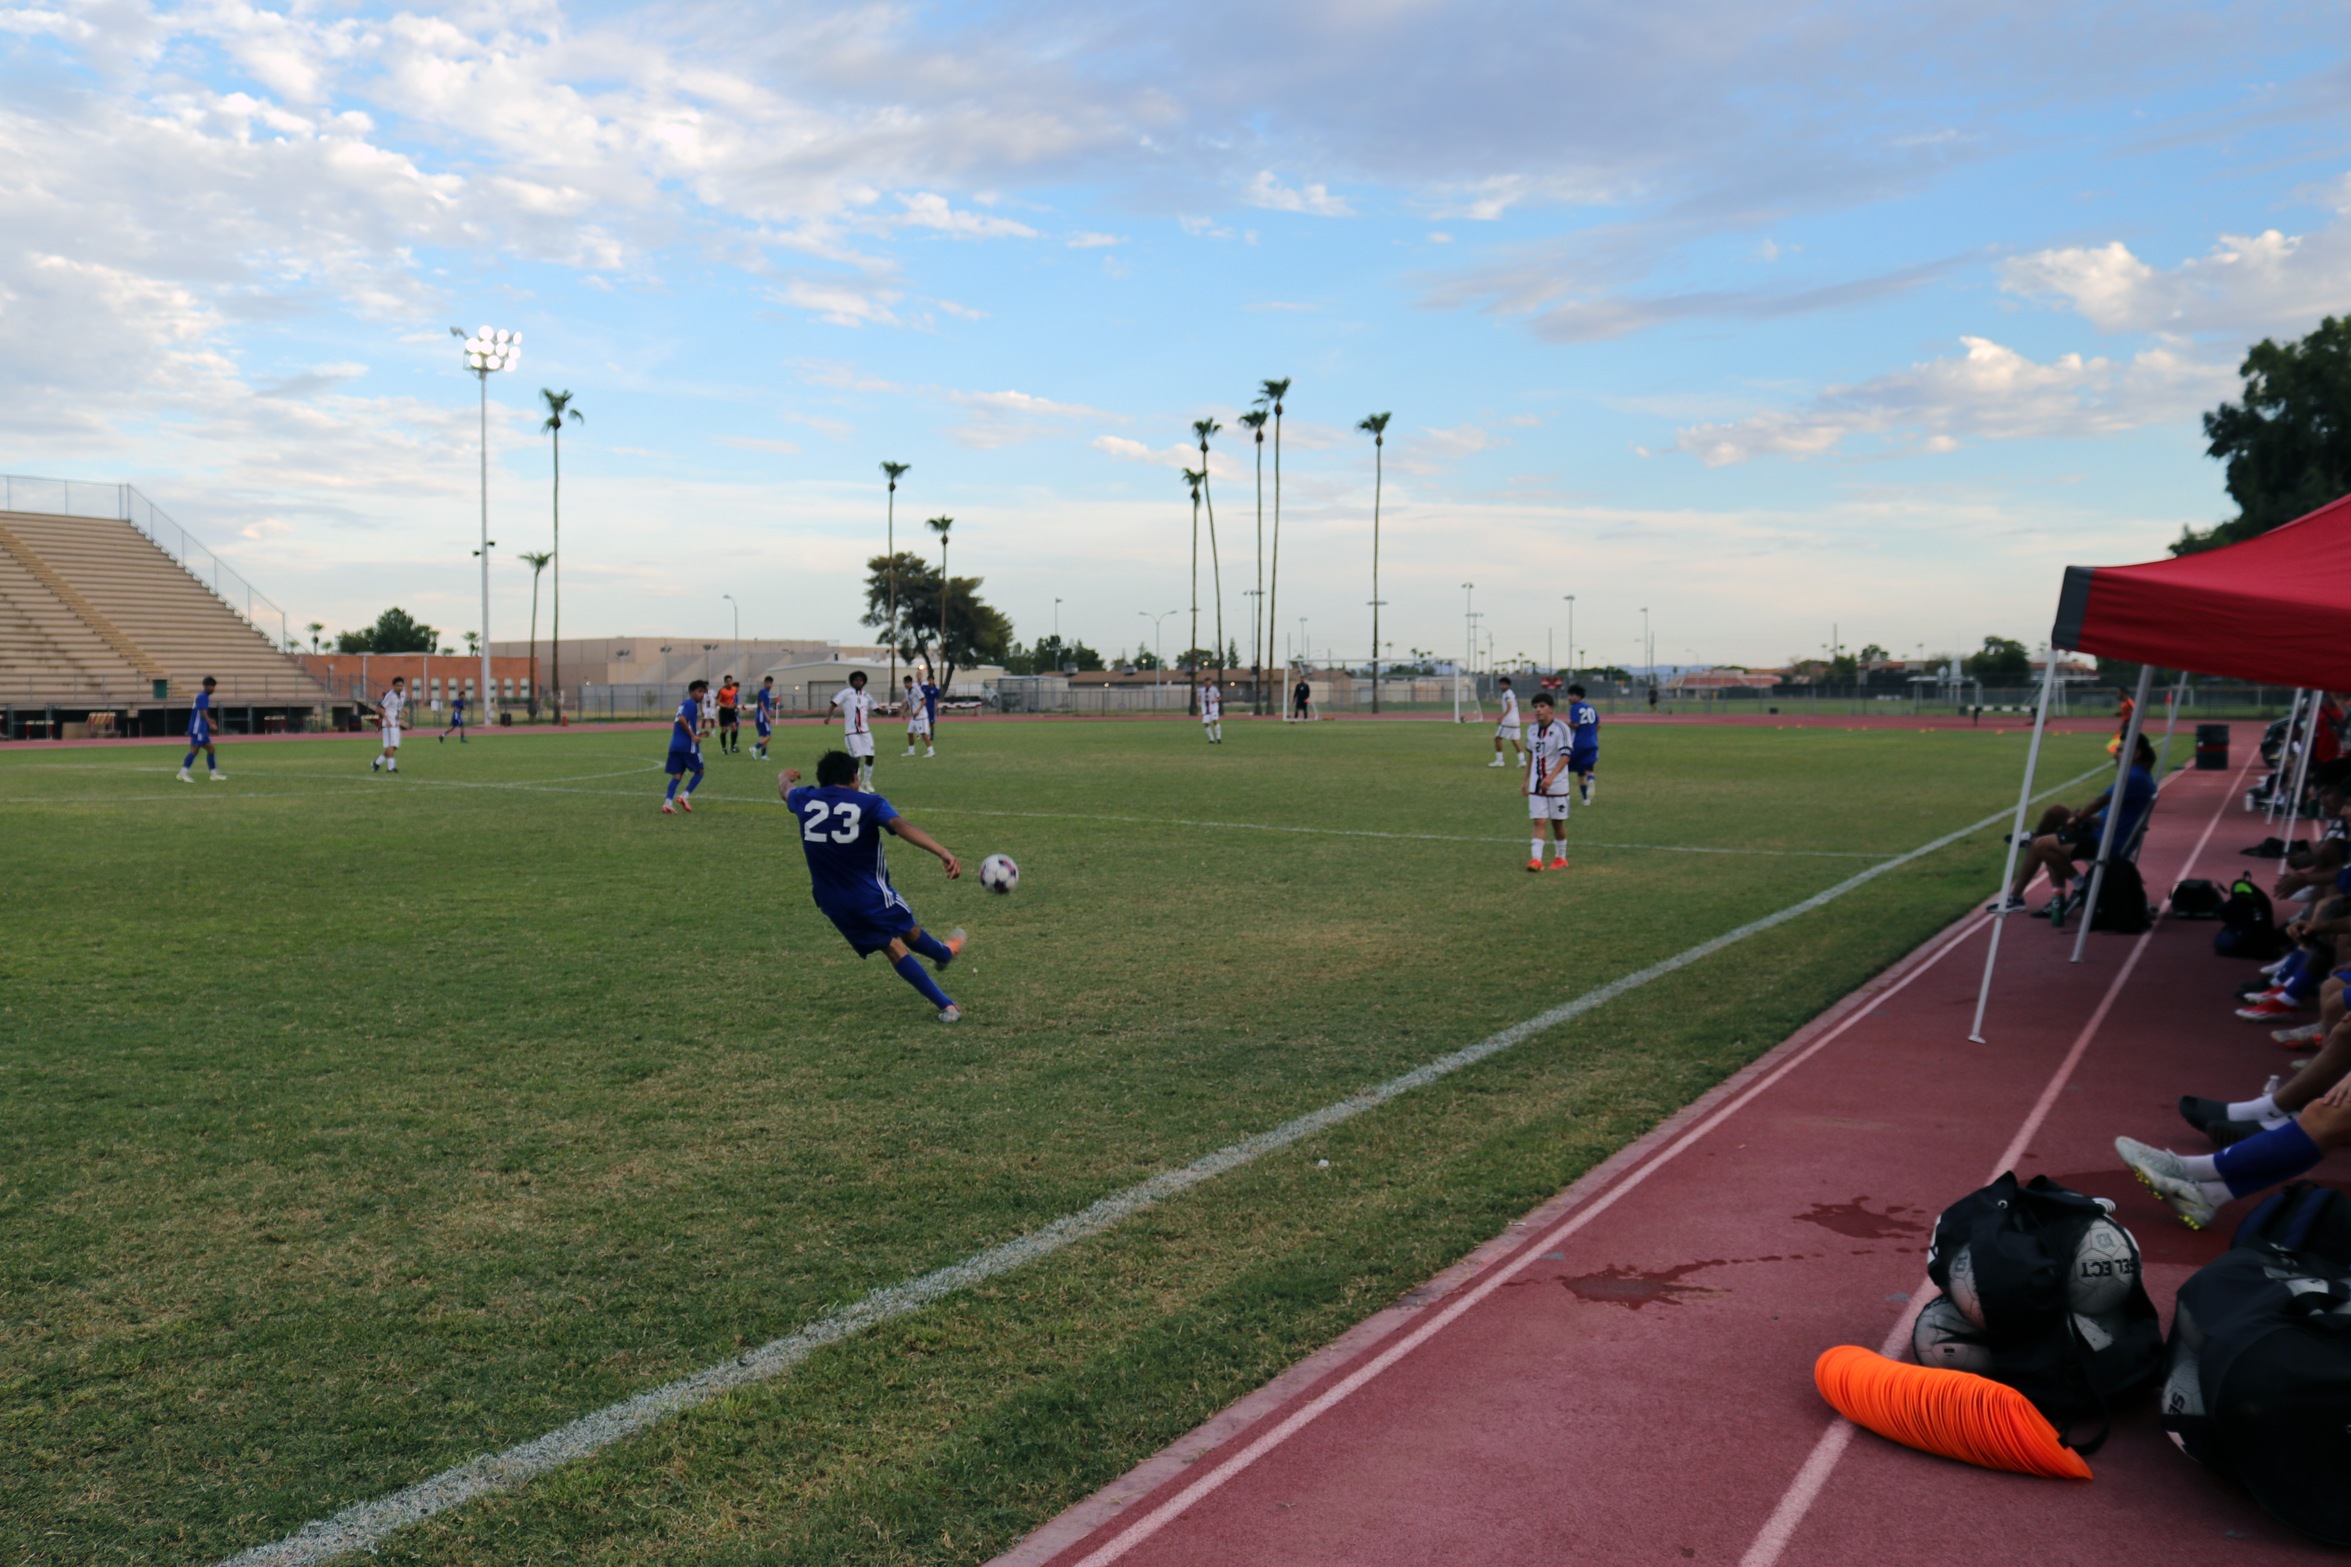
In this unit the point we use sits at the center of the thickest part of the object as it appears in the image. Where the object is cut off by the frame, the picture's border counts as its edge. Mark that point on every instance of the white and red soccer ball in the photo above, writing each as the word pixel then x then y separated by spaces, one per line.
pixel 999 874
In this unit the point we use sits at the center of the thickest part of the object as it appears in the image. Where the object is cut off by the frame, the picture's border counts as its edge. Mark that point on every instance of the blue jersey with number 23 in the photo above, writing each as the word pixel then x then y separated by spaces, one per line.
pixel 841 833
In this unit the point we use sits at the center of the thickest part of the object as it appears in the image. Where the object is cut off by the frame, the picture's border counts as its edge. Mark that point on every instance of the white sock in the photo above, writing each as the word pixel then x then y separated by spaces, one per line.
pixel 2263 1109
pixel 1536 853
pixel 2199 1167
pixel 1559 850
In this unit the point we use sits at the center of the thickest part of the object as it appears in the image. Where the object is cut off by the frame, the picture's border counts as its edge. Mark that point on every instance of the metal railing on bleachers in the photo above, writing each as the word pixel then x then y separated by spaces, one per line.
pixel 124 503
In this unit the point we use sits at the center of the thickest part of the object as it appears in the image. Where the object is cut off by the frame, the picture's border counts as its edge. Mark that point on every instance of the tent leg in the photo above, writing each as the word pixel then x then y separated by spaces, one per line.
pixel 2122 773
pixel 2171 722
pixel 2293 722
pixel 2024 800
pixel 2301 769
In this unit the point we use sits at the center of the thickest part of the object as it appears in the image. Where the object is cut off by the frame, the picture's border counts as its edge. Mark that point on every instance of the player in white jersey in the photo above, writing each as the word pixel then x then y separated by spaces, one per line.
pixel 918 717
pixel 1549 783
pixel 709 712
pixel 388 709
pixel 1212 713
pixel 856 710
pixel 1506 732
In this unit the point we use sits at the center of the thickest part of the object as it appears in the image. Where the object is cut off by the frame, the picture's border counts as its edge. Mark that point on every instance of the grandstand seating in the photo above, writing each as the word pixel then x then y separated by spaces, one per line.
pixel 93 614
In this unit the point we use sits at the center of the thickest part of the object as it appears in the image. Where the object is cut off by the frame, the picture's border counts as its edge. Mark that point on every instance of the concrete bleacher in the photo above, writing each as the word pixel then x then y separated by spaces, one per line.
pixel 96 617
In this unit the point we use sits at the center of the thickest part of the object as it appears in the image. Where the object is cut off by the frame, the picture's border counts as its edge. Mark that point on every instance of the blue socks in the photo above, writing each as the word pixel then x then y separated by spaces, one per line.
pixel 673 787
pixel 187 761
pixel 910 969
pixel 931 947
pixel 2268 1159
pixel 694 782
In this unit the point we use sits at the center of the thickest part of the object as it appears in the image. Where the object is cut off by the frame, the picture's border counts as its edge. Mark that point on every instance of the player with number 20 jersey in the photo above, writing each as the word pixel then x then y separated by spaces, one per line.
pixel 841 829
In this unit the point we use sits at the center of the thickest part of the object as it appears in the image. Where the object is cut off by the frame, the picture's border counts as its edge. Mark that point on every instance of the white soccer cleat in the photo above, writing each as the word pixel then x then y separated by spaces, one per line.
pixel 950 1013
pixel 2160 1171
pixel 219 777
pixel 184 778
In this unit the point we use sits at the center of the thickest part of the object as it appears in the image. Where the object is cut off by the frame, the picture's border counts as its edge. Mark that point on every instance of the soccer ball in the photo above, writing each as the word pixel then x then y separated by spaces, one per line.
pixel 1962 1292
pixel 1943 1337
pixel 2105 1266
pixel 998 873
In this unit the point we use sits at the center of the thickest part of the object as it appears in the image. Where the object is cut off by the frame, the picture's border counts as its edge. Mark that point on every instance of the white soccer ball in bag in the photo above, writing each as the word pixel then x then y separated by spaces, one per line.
pixel 1962 1292
pixel 2105 1266
pixel 1943 1337
pixel 998 873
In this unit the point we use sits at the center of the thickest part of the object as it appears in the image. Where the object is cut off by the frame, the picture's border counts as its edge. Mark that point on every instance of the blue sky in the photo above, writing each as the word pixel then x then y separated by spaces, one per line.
pixel 1766 318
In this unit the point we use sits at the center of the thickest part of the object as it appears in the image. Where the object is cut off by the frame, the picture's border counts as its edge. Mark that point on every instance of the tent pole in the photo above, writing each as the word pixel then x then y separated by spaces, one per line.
pixel 2114 798
pixel 2024 800
pixel 2277 776
pixel 2301 769
pixel 2171 722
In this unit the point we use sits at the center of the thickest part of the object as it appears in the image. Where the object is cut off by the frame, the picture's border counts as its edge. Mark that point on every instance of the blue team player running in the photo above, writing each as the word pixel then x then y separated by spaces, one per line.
pixel 685 751
pixel 841 829
pixel 1583 750
pixel 763 716
pixel 200 736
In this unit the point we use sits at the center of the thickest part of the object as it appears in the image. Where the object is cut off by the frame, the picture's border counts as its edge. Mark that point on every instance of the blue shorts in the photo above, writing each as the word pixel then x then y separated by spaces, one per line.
pixel 764 727
pixel 871 928
pixel 683 762
pixel 199 734
pixel 1581 762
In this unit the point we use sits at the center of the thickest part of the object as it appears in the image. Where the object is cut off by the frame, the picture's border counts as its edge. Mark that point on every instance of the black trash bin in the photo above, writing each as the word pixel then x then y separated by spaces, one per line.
pixel 2212 748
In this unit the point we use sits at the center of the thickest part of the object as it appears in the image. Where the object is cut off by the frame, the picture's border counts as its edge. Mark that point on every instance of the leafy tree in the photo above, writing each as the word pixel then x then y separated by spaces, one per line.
pixel 2288 444
pixel 395 631
pixel 976 632
pixel 1204 428
pixel 2002 662
pixel 1049 656
pixel 1871 653
pixel 538 563
pixel 1195 659
pixel 1145 659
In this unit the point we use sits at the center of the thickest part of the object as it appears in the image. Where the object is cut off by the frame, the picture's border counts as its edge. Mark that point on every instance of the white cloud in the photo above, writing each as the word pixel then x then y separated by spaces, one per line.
pixel 1314 200
pixel 1987 393
pixel 2244 286
pixel 1093 241
pixel 928 210
pixel 753 443
pixel 997 419
pixel 844 302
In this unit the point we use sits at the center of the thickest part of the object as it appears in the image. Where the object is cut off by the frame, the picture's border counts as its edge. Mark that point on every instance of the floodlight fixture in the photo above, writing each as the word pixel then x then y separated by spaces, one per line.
pixel 489 351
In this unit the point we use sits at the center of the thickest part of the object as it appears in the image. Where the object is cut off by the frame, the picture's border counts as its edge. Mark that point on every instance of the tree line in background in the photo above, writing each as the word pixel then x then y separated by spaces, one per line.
pixel 2288 444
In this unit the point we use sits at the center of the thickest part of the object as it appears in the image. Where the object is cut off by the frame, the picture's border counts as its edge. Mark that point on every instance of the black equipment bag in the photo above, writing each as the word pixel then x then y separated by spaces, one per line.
pixel 2021 1241
pixel 2122 901
pixel 2197 899
pixel 2260 1381
pixel 2249 924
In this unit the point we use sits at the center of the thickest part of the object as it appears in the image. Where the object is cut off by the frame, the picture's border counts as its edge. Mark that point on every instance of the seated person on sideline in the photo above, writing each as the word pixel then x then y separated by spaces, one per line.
pixel 2067 836
pixel 2232 1121
pixel 2196 1186
pixel 2323 926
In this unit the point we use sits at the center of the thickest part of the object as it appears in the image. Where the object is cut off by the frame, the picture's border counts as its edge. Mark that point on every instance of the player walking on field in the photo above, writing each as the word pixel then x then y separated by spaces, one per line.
pixel 200 736
pixel 763 715
pixel 685 751
pixel 1506 732
pixel 456 721
pixel 856 710
pixel 730 725
pixel 388 712
pixel 1212 713
pixel 1548 782
pixel 1583 751
pixel 841 827
pixel 918 717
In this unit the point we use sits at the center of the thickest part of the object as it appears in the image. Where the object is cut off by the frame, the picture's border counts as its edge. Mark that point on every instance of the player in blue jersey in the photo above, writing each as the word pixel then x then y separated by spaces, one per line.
pixel 685 751
pixel 200 736
pixel 930 713
pixel 763 716
pixel 841 827
pixel 456 719
pixel 1583 751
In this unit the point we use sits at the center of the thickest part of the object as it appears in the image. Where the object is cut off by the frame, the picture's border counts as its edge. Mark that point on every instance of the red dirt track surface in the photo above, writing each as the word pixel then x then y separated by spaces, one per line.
pixel 1626 1376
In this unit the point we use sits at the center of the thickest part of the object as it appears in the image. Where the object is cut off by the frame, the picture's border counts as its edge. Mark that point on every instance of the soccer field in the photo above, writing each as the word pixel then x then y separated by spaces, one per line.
pixel 354 1127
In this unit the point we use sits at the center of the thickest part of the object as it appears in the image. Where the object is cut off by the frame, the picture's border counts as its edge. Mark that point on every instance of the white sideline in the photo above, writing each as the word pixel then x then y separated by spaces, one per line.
pixel 366 1525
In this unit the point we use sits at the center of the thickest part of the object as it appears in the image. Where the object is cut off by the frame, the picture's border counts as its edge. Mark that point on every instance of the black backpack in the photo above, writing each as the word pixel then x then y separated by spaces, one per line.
pixel 2021 1242
pixel 2248 924
pixel 2122 901
pixel 2260 1381
pixel 2197 899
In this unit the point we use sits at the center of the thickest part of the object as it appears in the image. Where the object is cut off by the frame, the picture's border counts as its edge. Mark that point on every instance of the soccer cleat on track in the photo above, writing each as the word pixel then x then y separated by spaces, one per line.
pixel 2009 905
pixel 954 943
pixel 2159 1171
pixel 2290 1037
pixel 2200 1113
pixel 950 1013
pixel 2268 1008
pixel 184 778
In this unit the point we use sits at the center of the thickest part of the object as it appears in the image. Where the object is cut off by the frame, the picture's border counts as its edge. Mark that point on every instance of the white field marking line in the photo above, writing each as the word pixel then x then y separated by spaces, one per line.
pixel 366 1525
pixel 1423 837
pixel 1796 1502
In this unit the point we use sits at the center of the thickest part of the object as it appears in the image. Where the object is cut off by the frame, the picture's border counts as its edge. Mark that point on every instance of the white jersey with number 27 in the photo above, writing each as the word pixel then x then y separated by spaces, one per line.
pixel 1547 746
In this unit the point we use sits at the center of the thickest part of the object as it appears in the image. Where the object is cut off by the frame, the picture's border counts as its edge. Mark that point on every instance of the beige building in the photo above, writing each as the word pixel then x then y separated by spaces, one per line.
pixel 673 660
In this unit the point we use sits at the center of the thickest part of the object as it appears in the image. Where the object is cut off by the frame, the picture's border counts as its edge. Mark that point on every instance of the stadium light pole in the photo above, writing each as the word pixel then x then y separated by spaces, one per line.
pixel 738 653
pixel 1571 633
pixel 486 353
pixel 1158 661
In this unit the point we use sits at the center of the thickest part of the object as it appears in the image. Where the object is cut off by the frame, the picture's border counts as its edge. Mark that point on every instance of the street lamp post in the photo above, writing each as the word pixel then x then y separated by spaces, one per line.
pixel 1648 651
pixel 1571 663
pixel 1158 660
pixel 738 653
pixel 708 648
pixel 486 353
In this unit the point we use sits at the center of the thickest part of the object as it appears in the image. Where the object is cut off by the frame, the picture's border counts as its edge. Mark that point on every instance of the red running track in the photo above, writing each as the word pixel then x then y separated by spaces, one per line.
pixel 1625 1376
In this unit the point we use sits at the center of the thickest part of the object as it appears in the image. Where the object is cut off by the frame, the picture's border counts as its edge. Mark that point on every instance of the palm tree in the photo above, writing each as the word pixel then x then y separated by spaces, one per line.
pixel 940 526
pixel 1255 419
pixel 1204 428
pixel 1195 480
pixel 1273 392
pixel 891 471
pixel 316 627
pixel 559 409
pixel 1375 426
pixel 537 563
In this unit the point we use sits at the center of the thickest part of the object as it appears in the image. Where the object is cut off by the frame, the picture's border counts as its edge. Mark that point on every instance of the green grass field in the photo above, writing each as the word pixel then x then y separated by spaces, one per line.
pixel 352 1127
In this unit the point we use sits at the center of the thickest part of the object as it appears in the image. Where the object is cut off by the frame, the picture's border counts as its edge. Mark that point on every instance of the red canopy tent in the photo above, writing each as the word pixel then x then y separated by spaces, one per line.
pixel 2275 608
